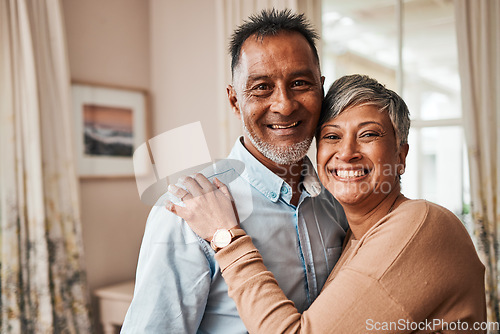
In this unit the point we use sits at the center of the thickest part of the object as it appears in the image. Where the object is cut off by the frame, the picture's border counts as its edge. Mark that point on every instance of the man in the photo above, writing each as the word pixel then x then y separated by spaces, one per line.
pixel 297 226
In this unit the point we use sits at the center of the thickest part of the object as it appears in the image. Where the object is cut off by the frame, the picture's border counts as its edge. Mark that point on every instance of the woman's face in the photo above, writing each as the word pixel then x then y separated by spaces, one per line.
pixel 358 157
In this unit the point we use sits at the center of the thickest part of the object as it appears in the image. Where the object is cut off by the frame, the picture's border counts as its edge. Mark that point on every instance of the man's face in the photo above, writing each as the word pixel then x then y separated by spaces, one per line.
pixel 277 92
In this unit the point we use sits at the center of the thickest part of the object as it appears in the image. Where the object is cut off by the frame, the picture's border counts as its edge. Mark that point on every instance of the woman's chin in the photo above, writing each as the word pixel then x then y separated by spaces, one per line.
pixel 349 194
pixel 349 199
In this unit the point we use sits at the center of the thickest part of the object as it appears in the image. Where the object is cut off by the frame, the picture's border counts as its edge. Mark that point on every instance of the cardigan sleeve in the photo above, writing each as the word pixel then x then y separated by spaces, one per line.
pixel 412 267
pixel 345 306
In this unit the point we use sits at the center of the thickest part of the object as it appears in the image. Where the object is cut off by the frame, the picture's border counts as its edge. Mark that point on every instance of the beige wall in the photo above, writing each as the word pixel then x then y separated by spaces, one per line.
pixel 184 72
pixel 168 48
pixel 108 43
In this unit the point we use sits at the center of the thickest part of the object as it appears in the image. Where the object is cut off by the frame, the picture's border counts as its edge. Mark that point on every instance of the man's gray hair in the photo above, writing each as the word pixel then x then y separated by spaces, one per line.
pixel 357 90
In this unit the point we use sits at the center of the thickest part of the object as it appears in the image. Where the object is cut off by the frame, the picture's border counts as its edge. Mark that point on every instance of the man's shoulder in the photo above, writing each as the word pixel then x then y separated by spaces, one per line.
pixel 162 226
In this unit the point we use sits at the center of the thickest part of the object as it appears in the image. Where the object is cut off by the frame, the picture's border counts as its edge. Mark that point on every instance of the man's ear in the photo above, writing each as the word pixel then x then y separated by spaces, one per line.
pixel 233 101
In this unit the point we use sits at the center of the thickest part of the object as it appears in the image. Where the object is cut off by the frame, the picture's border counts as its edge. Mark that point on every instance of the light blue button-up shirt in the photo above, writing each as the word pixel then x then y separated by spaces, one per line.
pixel 179 287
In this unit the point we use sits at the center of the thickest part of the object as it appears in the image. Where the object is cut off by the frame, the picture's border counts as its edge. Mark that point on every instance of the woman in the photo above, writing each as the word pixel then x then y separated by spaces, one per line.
pixel 407 265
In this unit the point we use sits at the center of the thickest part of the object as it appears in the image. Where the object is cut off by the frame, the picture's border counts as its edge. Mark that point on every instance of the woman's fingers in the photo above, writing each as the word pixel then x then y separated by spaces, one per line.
pixel 222 187
pixel 195 186
pixel 179 192
pixel 204 182
pixel 204 231
pixel 206 208
pixel 174 208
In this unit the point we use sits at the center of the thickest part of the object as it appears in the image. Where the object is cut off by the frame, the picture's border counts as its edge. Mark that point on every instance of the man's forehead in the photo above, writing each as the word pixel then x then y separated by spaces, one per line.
pixel 290 51
pixel 280 39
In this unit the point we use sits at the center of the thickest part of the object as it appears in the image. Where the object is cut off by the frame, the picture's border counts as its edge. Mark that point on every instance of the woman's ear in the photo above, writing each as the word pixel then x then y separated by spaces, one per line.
pixel 233 100
pixel 403 153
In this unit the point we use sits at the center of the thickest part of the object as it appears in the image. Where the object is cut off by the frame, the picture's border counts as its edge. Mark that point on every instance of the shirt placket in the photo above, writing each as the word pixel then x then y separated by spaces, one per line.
pixel 307 254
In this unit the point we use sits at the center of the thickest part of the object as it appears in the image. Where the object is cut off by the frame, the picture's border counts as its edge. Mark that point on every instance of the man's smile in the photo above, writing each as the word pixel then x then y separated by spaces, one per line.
pixel 283 126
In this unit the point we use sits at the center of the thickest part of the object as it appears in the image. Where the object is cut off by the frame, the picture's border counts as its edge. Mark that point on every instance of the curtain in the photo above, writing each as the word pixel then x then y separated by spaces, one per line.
pixel 43 284
pixel 230 14
pixel 478 37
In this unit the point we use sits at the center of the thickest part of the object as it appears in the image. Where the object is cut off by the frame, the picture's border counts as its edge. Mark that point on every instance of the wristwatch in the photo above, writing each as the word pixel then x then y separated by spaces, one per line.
pixel 224 237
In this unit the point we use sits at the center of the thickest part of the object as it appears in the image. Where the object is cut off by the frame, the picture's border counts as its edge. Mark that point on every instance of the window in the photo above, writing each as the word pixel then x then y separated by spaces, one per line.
pixel 410 46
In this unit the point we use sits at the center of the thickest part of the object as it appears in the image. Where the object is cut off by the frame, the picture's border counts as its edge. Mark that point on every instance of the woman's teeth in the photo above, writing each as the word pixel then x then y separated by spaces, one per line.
pixel 275 126
pixel 350 173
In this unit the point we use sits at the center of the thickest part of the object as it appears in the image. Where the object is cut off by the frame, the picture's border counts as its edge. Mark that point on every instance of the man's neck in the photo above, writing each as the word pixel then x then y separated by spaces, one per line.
pixel 291 174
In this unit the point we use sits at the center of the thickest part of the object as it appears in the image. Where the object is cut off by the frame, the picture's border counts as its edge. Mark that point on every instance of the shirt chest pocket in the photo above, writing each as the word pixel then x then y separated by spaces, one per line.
pixel 333 254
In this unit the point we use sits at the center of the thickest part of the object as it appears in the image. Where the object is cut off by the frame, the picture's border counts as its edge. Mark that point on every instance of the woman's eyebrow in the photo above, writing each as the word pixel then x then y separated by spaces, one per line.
pixel 330 125
pixel 368 123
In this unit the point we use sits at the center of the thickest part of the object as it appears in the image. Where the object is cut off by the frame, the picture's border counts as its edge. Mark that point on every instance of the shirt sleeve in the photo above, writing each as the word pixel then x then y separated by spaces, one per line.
pixel 172 281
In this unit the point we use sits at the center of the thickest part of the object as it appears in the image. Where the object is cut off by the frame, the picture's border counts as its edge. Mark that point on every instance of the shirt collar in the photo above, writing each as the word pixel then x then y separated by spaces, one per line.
pixel 311 181
pixel 268 183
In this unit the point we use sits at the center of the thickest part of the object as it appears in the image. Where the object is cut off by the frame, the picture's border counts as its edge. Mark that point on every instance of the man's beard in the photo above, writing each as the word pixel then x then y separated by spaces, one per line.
pixel 280 155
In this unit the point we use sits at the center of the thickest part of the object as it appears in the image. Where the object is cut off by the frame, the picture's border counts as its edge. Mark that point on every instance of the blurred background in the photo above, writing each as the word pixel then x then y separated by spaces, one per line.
pixel 175 52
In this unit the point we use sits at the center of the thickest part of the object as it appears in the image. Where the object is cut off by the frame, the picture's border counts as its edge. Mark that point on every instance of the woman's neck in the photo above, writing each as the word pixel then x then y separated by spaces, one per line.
pixel 362 217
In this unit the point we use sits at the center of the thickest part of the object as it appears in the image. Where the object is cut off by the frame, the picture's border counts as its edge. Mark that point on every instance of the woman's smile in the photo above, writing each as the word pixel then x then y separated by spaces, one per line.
pixel 350 174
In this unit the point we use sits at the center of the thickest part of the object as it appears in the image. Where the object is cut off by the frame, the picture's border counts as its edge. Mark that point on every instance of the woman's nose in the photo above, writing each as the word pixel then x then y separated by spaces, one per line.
pixel 348 150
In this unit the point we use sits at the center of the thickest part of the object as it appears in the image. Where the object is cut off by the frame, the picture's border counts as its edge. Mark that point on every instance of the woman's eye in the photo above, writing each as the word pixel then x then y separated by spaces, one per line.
pixel 369 134
pixel 331 137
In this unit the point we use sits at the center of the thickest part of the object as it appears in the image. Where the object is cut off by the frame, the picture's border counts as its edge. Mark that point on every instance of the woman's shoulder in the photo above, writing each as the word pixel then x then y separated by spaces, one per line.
pixel 422 226
pixel 419 205
pixel 435 224
pixel 428 211
pixel 413 233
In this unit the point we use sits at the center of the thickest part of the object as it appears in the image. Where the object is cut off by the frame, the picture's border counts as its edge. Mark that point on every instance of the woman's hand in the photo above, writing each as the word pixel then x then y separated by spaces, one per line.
pixel 208 207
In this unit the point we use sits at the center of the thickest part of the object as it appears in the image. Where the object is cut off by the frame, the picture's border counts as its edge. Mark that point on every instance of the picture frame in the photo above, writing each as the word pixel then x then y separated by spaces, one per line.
pixel 110 123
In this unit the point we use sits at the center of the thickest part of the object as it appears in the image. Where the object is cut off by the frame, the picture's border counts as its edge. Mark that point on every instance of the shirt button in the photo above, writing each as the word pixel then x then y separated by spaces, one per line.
pixel 273 195
pixel 284 190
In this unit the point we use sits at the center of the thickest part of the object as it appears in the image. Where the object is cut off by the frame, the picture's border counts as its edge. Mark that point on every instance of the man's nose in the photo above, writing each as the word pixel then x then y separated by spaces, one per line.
pixel 283 101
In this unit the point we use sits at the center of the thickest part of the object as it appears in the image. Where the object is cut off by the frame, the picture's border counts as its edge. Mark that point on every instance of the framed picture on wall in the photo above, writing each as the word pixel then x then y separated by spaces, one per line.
pixel 110 123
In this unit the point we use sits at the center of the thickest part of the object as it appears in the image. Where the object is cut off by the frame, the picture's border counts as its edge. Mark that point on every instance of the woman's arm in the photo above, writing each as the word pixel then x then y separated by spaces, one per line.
pixel 352 303
pixel 386 286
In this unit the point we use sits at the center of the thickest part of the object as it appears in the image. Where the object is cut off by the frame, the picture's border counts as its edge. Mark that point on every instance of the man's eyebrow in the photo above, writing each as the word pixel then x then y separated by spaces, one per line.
pixel 256 77
pixel 300 73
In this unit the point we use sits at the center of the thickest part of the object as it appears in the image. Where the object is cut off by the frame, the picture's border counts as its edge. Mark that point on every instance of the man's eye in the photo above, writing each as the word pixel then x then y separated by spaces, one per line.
pixel 262 87
pixel 298 83
pixel 261 90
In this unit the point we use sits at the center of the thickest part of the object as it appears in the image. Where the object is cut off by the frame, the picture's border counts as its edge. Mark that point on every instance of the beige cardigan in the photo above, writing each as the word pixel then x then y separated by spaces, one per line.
pixel 412 272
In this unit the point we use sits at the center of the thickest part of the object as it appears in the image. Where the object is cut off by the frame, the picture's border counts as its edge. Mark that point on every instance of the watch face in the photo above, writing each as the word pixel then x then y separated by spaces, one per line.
pixel 222 238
